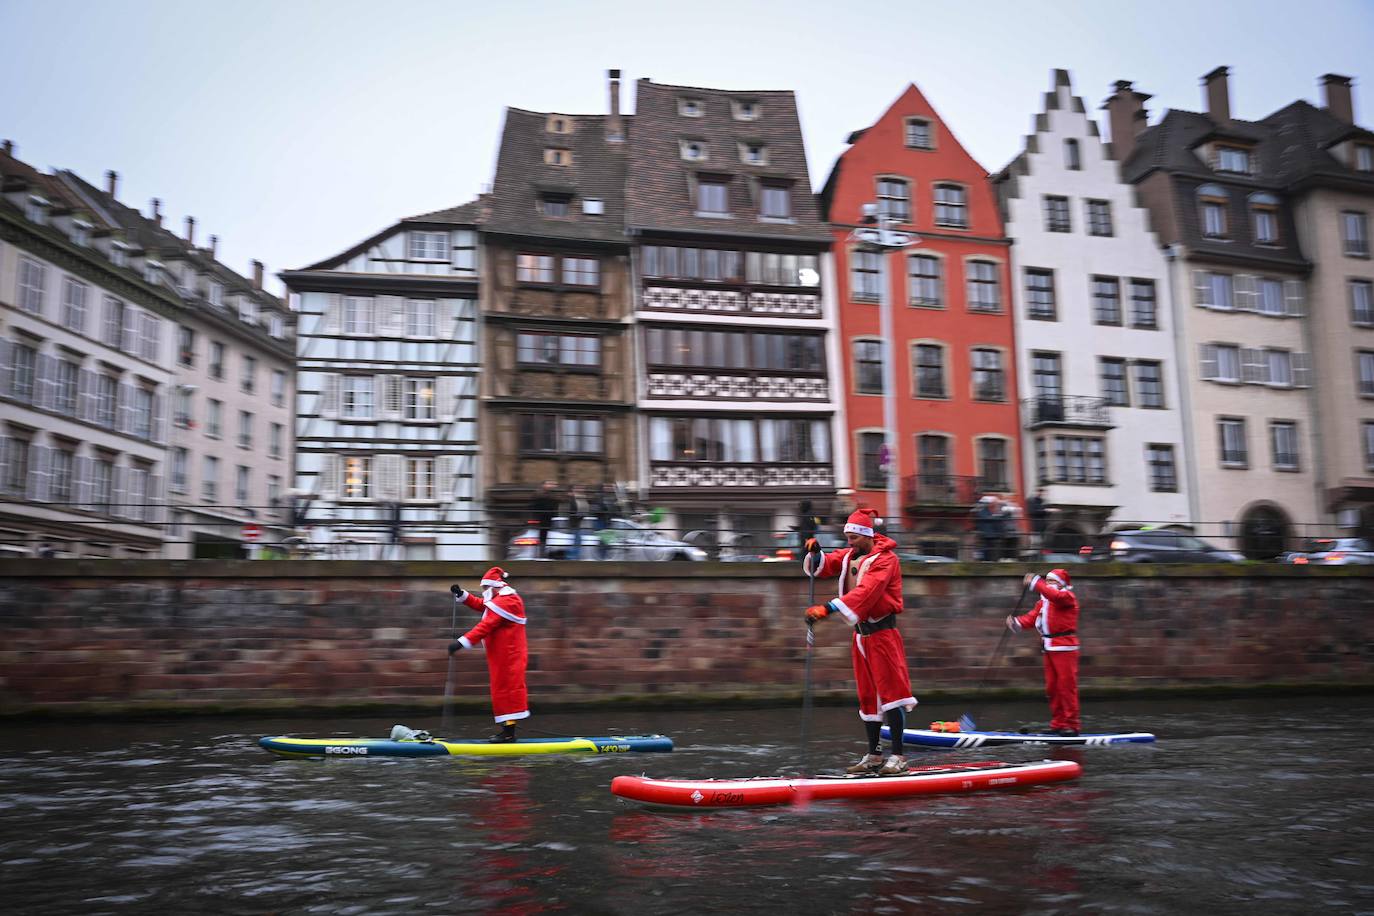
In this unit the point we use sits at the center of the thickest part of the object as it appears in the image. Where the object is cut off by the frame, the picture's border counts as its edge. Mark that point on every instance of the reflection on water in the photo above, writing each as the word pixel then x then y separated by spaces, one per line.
pixel 1243 806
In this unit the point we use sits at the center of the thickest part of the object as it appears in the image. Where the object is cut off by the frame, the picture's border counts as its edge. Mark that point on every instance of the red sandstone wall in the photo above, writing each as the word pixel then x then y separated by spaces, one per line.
pixel 262 634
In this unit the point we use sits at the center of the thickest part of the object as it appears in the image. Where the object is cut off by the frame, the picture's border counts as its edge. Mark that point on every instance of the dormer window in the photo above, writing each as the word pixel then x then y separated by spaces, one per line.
pixel 81 232
pixel 119 254
pixel 745 111
pixel 690 108
pixel 554 204
pixel 248 310
pixel 713 197
pixel 1364 157
pixel 1211 200
pixel 558 124
pixel 593 206
pixel 554 155
pixel 919 134
pixel 775 202
pixel 152 271
pixel 1264 218
pixel 36 209
pixel 753 153
pixel 1233 159
pixel 693 150
pixel 428 246
pixel 214 292
pixel 275 326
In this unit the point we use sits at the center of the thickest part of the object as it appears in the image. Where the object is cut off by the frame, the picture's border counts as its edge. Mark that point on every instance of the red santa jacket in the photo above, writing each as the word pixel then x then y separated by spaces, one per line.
pixel 878 591
pixel 1055 616
pixel 503 611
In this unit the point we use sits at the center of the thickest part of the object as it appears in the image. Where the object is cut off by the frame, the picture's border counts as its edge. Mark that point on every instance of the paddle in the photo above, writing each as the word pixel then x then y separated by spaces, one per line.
pixel 806 693
pixel 966 722
pixel 446 727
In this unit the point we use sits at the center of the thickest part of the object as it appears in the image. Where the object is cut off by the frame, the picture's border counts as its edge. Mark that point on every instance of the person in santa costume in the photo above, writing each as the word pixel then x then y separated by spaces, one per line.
pixel 1055 618
pixel 870 598
pixel 502 629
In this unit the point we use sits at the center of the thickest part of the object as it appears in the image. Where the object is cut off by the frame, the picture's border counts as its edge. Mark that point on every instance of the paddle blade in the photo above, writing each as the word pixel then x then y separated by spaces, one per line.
pixel 966 723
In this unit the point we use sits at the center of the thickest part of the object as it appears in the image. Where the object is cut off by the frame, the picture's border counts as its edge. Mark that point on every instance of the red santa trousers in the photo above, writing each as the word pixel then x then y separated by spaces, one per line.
pixel 880 674
pixel 1061 686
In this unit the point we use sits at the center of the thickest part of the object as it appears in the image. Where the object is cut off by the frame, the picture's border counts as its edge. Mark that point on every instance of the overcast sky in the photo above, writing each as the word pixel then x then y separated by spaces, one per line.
pixel 294 129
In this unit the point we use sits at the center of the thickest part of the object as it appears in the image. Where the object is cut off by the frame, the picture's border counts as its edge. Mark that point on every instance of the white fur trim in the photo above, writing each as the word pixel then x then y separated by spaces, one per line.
pixel 1051 577
pixel 494 583
pixel 465 642
pixel 868 718
pixel 1050 648
pixel 525 714
pixel 851 528
pixel 849 615
pixel 502 612
pixel 908 702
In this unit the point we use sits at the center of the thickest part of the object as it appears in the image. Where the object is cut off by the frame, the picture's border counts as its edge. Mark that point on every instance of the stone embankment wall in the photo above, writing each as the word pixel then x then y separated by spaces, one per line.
pixel 104 636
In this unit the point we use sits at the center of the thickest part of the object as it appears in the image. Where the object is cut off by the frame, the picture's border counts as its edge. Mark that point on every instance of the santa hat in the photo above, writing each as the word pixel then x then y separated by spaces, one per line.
pixel 862 522
pixel 494 577
pixel 1059 577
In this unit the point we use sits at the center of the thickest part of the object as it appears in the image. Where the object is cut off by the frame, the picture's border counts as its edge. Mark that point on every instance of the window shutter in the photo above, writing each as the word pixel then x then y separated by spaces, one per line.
pixel 1202 288
pixel 124 411
pixel 389 475
pixel 332 310
pixel 128 341
pixel 329 396
pixel 1302 370
pixel 44 382
pixel 1246 290
pixel 159 418
pixel 155 497
pixel 328 481
pixel 1254 366
pixel 85 395
pixel 117 507
pixel 1209 360
pixel 40 461
pixel 445 470
pixel 444 398
pixel 82 490
pixel 387 392
pixel 1293 298
pixel 391 316
pixel 6 369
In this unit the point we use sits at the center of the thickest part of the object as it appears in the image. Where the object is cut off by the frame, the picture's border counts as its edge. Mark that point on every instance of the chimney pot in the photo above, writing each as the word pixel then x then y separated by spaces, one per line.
pixel 1126 116
pixel 1218 94
pixel 257 274
pixel 157 211
pixel 1340 102
pixel 214 243
pixel 191 229
pixel 9 147
pixel 615 128
pixel 111 182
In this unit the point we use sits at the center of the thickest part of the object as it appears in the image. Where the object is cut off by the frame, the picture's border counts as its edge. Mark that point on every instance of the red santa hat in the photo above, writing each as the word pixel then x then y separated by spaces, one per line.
pixel 862 522
pixel 1059 577
pixel 494 577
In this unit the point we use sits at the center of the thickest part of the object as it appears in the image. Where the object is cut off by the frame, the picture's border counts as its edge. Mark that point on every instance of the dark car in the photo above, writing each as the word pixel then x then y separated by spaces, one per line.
pixel 1162 545
pixel 1333 552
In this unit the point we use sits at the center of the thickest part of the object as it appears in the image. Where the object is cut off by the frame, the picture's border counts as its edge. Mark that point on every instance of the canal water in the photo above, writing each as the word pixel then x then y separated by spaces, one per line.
pixel 1244 806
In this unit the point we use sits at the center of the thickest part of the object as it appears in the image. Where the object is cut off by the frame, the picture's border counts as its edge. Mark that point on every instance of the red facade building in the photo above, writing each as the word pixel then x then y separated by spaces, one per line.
pixel 952 333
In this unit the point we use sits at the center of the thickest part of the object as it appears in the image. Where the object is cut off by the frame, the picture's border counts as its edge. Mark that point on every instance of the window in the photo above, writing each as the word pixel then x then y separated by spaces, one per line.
pixel 593 206
pixel 1113 373
pixel 951 206
pixel 556 350
pixel 745 111
pixel 358 392
pixel 278 388
pixel 689 108
pixel 1057 214
pixel 182 406
pixel 245 429
pixel 62 462
pixel 1364 158
pixel 1076 460
pixel 106 400
pixel 554 204
pixel 1233 159
pixel 142 405
pixel 1264 218
pixel 693 150
pixel 557 125
pixel 1283 444
pixel 581 435
pixel 701 439
pixel 215 293
pixel 1212 207
pixel 241 485
pixel 1144 305
pixel 357 315
pixel 1367 430
pixel 1149 384
pixel 872 461
pixel 186 346
pixel 179 458
pixel 18 456
pixel 216 364
pixel 32 278
pixel 65 387
pixel 930 371
pixel 932 455
pixel 214 414
pixel 1362 302
pixel 465 251
pixel 419 398
pixel 1221 363
pixel 209 479
pixel 712 197
pixel 419 317
pixel 1107 300
pixel 419 479
pixel 248 310
pixel 1046 375
pixel 1275 367
pixel 894 199
pixel 925 282
pixel 753 153
pixel 868 366
pixel 776 202
pixel 581 272
pixel 1213 290
pixel 1365 371
pixel 150 337
pixel 275 325
pixel 1072 160
pixel 1040 294
pixel 248 375
pixel 1099 217
pixel 865 273
pixel 989 378
pixel 1355 234
pixel 113 334
pixel 1231 435
pixel 992 463
pixel 1159 459
pixel 273 490
pixel 22 372
pixel 102 484
pixel 274 440
pixel 919 134
pixel 534 268
pixel 74 305
pixel 357 477
pixel 555 155
pixel 984 294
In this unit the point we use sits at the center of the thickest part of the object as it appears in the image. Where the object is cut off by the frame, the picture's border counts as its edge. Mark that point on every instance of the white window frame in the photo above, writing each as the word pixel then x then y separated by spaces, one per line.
pixel 427 245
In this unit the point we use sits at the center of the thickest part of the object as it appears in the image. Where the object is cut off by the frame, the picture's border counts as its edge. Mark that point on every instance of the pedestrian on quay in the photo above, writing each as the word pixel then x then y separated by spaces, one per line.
pixel 870 598
pixel 1038 514
pixel 1055 618
pixel 543 508
pixel 578 508
pixel 502 630
pixel 987 524
pixel 604 506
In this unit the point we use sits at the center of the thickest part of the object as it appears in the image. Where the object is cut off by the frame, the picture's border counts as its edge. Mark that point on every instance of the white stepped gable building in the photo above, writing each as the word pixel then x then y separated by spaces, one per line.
pixel 1101 414
pixel 386 421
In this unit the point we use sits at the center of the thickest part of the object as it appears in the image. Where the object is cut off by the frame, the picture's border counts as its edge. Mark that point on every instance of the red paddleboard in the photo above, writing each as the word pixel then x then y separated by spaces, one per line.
pixel 781 790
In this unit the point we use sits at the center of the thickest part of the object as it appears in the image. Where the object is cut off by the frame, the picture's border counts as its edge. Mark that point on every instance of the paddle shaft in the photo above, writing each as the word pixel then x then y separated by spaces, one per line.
pixel 997 653
pixel 446 719
pixel 806 692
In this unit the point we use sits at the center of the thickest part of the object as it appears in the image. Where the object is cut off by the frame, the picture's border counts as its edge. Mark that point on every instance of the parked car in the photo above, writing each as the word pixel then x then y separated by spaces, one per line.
pixel 626 540
pixel 907 556
pixel 1333 552
pixel 1162 545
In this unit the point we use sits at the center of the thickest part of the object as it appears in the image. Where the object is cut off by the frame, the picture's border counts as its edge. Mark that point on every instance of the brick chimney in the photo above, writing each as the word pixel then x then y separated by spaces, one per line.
pixel 214 243
pixel 257 275
pixel 157 211
pixel 191 230
pixel 1126 118
pixel 1218 92
pixel 1339 102
pixel 111 182
pixel 615 126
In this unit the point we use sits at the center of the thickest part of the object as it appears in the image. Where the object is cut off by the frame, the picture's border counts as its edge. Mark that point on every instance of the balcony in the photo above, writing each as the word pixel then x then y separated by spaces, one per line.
pixel 1080 412
pixel 926 490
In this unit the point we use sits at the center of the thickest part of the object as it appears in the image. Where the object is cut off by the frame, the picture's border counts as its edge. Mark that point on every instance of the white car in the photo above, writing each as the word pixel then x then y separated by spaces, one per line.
pixel 624 540
pixel 1334 552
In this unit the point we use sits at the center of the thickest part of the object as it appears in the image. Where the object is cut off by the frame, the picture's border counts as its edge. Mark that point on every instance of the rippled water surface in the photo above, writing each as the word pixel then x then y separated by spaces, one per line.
pixel 1255 806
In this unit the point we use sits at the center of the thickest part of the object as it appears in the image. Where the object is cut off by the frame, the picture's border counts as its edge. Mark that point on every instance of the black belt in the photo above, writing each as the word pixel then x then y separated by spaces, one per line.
pixel 868 628
pixel 1065 633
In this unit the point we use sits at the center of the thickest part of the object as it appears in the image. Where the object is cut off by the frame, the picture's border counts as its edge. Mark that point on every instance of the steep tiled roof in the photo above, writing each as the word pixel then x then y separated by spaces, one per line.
pixel 1305 135
pixel 468 214
pixel 16 172
pixel 596 170
pixel 659 195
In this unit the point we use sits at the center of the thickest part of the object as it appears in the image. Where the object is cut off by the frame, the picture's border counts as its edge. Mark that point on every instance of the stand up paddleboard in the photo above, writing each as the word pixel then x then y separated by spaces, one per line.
pixel 382 747
pixel 925 737
pixel 773 790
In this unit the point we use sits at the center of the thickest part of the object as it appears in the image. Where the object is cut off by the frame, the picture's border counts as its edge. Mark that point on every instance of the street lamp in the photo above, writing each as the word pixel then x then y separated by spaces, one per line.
pixel 877 236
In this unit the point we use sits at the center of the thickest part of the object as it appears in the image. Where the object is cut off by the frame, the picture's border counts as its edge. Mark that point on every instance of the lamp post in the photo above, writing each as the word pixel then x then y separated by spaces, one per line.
pixel 877 236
